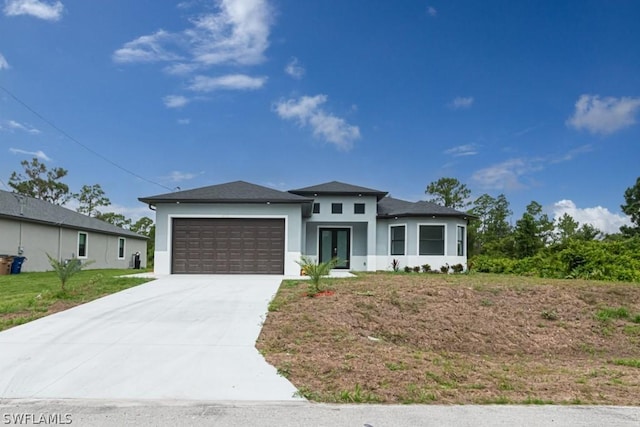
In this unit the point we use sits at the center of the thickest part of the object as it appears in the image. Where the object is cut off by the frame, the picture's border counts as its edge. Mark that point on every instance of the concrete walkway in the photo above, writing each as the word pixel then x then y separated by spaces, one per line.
pixel 179 337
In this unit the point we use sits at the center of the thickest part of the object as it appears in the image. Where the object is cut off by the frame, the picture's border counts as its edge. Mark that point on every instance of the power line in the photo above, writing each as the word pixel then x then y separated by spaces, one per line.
pixel 89 149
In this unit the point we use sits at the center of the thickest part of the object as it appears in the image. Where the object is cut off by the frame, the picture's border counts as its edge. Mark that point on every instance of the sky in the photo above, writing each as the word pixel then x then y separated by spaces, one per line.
pixel 536 100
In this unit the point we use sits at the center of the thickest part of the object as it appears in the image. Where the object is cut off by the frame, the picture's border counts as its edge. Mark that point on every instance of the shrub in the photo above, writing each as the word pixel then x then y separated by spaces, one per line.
pixel 426 268
pixel 65 269
pixel 316 271
pixel 457 268
pixel 395 264
pixel 416 269
pixel 407 269
pixel 444 268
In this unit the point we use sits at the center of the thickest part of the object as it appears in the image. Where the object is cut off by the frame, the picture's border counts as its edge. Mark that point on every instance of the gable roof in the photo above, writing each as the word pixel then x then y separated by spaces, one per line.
pixel 338 188
pixel 390 207
pixel 230 192
pixel 19 207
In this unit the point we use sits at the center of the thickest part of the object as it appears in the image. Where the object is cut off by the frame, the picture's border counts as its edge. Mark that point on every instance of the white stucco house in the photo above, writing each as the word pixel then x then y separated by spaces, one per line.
pixel 239 227
pixel 33 228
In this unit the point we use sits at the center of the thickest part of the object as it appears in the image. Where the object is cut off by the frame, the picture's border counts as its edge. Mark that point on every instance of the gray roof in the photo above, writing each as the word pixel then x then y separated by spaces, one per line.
pixel 230 192
pixel 25 208
pixel 338 188
pixel 390 207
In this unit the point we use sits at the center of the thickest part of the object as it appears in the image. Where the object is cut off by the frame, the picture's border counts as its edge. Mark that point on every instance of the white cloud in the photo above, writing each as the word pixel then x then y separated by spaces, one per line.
pixel 177 176
pixel 12 124
pixel 571 154
pixel 49 11
pixel 505 175
pixel 294 69
pixel 461 103
pixel 463 150
pixel 39 154
pixel 175 101
pixel 228 82
pixel 184 121
pixel 432 11
pixel 150 48
pixel 4 65
pixel 604 115
pixel 238 33
pixel 599 217
pixel 307 112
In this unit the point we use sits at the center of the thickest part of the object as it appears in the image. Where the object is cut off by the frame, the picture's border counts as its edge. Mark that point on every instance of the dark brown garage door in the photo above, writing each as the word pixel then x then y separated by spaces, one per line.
pixel 228 246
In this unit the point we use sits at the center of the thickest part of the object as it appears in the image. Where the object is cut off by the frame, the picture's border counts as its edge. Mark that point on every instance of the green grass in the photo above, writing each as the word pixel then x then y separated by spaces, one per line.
pixel 27 296
pixel 634 363
pixel 609 313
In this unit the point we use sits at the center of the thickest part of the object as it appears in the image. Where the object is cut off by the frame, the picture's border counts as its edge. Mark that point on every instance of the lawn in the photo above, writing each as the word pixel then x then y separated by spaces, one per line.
pixel 458 339
pixel 27 296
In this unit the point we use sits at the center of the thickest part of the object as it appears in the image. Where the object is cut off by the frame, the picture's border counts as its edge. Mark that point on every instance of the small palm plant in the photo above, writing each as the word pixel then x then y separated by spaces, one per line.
pixel 65 269
pixel 316 271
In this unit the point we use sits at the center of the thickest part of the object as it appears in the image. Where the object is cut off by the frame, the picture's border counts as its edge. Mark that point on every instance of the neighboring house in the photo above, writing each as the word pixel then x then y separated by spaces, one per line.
pixel 240 227
pixel 34 228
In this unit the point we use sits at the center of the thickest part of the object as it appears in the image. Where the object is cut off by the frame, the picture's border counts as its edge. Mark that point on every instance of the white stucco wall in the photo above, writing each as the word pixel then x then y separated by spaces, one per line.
pixel 411 258
pixel 165 212
pixel 362 227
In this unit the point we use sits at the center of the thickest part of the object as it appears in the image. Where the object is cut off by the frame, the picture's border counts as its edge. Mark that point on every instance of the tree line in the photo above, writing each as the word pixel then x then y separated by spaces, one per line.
pixel 46 184
pixel 540 245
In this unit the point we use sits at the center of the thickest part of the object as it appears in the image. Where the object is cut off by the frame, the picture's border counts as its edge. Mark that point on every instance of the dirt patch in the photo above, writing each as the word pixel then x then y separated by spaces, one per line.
pixel 405 338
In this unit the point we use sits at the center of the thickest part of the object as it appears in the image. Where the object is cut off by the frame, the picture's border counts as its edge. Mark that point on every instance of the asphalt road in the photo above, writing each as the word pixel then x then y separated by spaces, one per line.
pixel 299 414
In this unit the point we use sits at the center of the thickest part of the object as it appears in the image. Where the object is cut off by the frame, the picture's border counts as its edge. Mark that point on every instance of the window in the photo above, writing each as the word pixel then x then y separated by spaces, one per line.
pixel 431 240
pixel 397 240
pixel 460 240
pixel 82 245
pixel 358 208
pixel 316 208
pixel 336 208
pixel 121 241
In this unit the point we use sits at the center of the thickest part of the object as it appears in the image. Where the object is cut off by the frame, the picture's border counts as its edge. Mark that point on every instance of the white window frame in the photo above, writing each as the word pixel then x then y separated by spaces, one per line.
pixel 464 240
pixel 86 245
pixel 406 228
pixel 435 224
pixel 124 247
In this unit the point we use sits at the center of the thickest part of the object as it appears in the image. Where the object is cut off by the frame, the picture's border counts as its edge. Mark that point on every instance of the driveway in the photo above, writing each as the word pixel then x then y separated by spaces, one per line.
pixel 179 337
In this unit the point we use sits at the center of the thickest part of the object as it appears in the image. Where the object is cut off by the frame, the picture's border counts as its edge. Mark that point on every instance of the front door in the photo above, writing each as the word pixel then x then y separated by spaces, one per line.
pixel 335 243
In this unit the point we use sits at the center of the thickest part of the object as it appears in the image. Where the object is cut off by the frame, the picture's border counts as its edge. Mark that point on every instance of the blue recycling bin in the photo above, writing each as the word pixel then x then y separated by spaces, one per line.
pixel 16 265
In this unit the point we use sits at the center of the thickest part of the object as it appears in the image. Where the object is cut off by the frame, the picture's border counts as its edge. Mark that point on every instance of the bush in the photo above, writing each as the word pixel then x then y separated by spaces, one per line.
pixel 594 260
pixel 426 268
pixel 457 268
pixel 416 269
pixel 407 269
pixel 316 271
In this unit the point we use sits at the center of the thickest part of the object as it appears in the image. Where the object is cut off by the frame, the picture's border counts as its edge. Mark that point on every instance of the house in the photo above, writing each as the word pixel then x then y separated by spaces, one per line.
pixel 239 227
pixel 33 228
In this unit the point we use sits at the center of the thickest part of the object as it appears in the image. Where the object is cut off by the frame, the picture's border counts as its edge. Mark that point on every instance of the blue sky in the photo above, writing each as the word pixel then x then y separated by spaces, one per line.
pixel 537 100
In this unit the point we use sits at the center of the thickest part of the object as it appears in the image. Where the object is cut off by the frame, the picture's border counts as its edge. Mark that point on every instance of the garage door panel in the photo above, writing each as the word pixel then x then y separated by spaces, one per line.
pixel 228 246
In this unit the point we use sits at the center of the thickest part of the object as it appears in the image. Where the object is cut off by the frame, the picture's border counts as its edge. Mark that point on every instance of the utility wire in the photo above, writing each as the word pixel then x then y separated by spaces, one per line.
pixel 89 149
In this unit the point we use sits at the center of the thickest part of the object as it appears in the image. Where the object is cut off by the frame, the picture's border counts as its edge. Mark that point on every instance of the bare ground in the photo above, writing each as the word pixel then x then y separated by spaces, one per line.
pixel 421 338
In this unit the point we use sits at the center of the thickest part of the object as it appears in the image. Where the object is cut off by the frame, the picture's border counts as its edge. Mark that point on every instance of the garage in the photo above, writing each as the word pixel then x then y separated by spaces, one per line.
pixel 228 246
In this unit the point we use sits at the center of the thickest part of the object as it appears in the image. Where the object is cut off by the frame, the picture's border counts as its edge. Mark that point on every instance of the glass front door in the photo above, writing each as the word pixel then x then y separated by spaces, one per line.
pixel 334 243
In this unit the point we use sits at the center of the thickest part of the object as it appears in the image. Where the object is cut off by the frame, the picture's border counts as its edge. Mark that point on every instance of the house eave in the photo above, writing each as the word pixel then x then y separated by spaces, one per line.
pixel 125 233
pixel 424 215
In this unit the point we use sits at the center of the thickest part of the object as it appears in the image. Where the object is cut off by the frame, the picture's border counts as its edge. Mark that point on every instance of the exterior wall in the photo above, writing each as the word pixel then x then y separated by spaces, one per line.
pixel 411 257
pixel 38 240
pixel 358 244
pixel 165 212
pixel 363 228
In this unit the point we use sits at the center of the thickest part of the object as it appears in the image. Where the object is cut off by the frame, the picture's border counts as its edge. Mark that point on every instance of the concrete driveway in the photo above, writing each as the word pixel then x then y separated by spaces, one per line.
pixel 179 337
